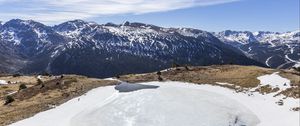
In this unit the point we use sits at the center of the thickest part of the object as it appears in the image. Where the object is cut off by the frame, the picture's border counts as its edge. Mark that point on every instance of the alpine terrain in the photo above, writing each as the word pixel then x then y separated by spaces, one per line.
pixel 31 47
pixel 276 50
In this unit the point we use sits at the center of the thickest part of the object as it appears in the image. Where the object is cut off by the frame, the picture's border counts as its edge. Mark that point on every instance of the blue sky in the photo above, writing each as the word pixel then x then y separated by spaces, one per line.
pixel 210 15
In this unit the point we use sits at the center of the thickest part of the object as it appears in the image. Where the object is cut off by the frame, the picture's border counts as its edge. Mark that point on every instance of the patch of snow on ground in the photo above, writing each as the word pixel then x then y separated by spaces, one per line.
pixel 39 77
pixel 62 115
pixel 288 58
pixel 249 49
pixel 3 82
pixel 110 79
pixel 11 93
pixel 169 104
pixel 297 64
pixel 275 80
pixel 54 54
pixel 225 84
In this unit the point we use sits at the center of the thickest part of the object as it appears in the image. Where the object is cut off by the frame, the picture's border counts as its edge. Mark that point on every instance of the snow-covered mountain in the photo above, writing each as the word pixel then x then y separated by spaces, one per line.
pixel 104 50
pixel 276 50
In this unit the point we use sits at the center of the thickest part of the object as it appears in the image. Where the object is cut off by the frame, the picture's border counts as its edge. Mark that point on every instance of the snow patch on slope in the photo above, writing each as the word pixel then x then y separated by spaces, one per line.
pixel 288 58
pixel 297 64
pixel 3 82
pixel 275 80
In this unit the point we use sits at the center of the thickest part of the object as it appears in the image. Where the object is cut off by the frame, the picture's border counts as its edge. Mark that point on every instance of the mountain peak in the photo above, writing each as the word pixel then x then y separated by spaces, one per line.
pixel 19 22
pixel 110 24
pixel 77 22
pixel 71 25
pixel 126 23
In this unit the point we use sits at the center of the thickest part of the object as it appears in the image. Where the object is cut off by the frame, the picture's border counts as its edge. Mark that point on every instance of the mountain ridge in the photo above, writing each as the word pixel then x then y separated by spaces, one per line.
pixel 115 49
pixel 275 49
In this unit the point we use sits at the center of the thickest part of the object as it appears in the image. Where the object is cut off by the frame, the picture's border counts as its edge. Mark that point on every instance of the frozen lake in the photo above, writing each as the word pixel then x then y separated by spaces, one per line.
pixel 147 104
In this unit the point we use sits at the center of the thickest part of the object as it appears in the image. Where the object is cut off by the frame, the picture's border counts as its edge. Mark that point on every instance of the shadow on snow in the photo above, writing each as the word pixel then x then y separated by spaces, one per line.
pixel 127 87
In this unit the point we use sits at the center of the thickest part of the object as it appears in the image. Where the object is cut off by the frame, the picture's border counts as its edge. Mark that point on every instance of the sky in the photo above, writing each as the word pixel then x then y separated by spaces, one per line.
pixel 209 15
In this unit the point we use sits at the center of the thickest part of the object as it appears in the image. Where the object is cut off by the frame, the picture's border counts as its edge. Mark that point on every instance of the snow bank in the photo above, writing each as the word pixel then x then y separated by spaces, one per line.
pixel 3 82
pixel 275 80
pixel 225 84
pixel 263 106
pixel 62 115
pixel 110 79
pixel 297 64
pixel 169 104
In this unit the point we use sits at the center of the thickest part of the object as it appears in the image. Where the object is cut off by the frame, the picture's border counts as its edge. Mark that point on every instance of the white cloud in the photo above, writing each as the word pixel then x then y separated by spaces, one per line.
pixel 52 11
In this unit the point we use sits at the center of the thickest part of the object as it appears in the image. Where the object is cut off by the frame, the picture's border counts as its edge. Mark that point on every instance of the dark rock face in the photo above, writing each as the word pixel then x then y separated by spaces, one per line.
pixel 79 47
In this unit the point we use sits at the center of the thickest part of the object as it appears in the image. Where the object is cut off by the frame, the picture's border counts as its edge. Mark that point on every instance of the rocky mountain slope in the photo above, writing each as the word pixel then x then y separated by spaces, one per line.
pixel 106 50
pixel 276 50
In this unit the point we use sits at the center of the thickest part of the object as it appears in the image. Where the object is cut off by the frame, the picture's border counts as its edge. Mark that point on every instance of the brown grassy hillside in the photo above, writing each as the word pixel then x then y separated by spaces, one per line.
pixel 239 77
pixel 37 98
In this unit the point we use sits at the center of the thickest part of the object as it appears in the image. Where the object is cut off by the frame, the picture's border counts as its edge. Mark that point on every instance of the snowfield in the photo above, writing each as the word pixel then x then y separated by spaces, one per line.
pixel 169 104
pixel 275 80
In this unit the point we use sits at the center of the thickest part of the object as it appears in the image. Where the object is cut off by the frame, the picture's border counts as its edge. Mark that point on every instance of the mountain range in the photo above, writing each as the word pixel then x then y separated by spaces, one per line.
pixel 274 49
pixel 103 50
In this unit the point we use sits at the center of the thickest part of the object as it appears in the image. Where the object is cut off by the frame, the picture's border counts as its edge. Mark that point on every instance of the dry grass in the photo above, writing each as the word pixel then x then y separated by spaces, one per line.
pixel 29 81
pixel 266 89
pixel 36 99
pixel 25 79
pixel 291 75
pixel 242 77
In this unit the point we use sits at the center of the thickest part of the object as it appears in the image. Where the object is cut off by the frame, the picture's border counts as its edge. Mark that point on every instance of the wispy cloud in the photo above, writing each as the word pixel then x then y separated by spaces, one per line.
pixel 53 11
